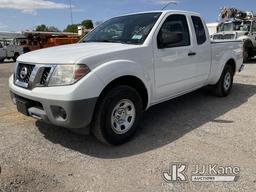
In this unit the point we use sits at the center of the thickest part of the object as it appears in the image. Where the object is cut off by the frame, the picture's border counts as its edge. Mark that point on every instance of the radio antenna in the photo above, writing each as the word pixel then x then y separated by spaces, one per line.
pixel 171 2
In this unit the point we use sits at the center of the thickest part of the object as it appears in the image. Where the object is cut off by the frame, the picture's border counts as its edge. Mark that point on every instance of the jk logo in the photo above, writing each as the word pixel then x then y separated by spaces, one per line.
pixel 177 173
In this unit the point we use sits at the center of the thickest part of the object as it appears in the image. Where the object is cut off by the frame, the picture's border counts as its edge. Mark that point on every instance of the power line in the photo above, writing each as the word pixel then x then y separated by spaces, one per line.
pixel 171 2
pixel 71 12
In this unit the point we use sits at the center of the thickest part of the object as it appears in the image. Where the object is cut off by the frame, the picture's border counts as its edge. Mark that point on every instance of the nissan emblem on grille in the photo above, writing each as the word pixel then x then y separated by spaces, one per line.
pixel 23 72
pixel 30 76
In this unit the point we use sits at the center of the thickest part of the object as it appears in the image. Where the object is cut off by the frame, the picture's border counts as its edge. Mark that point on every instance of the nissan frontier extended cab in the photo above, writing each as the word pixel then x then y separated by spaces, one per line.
pixel 102 84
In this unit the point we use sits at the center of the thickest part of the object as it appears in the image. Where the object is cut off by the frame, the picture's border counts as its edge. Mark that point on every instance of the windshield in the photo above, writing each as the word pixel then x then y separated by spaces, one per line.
pixel 131 29
pixel 235 26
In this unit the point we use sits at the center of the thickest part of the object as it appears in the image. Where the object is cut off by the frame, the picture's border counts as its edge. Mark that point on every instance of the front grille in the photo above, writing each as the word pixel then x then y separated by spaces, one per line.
pixel 223 37
pixel 24 72
pixel 29 76
pixel 45 75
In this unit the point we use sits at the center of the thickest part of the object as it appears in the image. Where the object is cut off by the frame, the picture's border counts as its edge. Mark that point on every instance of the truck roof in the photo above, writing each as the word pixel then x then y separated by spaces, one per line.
pixel 166 11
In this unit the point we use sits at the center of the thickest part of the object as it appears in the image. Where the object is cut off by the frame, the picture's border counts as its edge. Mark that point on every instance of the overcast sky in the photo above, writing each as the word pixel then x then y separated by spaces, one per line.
pixel 18 15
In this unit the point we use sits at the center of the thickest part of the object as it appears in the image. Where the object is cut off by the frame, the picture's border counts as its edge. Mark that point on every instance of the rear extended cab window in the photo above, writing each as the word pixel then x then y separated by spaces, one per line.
pixel 199 29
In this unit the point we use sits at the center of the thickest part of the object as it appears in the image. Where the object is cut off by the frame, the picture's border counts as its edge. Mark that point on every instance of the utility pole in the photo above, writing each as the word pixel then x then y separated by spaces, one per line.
pixel 71 12
pixel 171 2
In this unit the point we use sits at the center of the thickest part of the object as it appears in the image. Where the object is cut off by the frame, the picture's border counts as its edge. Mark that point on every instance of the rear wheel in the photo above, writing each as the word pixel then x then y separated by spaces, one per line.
pixel 246 56
pixel 247 51
pixel 1 60
pixel 225 84
pixel 117 115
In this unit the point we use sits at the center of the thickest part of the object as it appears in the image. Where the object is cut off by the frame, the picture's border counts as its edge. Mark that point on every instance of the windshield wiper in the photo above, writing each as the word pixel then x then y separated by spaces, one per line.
pixel 104 41
pixel 109 41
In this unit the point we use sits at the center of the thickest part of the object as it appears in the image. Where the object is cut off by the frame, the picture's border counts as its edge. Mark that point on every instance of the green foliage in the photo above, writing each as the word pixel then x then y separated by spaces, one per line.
pixel 45 28
pixel 73 28
pixel 88 24
pixel 42 27
pixel 53 29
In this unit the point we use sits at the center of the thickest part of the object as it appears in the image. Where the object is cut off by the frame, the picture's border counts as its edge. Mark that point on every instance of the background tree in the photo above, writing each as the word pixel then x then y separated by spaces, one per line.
pixel 42 27
pixel 88 24
pixel 73 28
pixel 45 28
pixel 53 29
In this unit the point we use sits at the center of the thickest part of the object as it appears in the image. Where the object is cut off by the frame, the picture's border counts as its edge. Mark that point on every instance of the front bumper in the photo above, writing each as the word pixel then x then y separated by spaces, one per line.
pixel 69 114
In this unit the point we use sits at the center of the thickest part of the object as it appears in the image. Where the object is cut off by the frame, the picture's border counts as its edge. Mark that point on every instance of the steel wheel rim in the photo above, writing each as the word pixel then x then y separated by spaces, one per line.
pixel 123 116
pixel 227 81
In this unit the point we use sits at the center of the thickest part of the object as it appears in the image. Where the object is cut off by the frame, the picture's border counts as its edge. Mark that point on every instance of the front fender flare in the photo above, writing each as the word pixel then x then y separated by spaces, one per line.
pixel 115 69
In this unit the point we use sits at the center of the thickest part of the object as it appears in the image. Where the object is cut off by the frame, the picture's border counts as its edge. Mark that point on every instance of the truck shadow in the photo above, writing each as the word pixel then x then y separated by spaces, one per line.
pixel 161 125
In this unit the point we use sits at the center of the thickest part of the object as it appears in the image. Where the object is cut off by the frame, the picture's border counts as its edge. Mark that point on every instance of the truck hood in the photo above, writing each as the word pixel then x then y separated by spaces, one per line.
pixel 70 54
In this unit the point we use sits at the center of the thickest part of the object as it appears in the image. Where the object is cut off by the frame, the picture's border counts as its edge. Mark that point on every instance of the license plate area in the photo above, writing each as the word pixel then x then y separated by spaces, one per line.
pixel 23 106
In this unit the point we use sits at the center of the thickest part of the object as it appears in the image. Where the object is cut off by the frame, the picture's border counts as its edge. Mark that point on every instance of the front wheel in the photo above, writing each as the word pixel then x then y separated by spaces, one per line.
pixel 117 115
pixel 225 84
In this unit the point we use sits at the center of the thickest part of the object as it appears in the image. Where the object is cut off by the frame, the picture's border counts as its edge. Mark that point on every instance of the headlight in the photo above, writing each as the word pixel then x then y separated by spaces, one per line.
pixel 68 74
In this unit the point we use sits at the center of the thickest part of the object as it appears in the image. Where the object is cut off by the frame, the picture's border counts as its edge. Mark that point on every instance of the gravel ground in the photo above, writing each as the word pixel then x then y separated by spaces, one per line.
pixel 197 128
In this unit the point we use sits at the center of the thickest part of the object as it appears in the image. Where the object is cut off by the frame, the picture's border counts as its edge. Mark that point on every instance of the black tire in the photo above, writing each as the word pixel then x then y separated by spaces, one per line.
pixel 102 126
pixel 246 54
pixel 221 89
pixel 247 51
pixel 16 55
pixel 1 60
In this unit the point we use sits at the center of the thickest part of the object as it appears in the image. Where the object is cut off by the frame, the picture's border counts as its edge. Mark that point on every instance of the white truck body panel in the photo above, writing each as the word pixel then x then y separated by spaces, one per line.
pixel 166 73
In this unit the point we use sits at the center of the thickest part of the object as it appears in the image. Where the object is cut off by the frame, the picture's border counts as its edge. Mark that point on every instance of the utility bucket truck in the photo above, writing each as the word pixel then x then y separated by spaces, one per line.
pixel 238 25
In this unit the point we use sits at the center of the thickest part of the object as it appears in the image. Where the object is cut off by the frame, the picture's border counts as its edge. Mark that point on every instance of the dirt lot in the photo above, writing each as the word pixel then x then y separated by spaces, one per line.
pixel 197 128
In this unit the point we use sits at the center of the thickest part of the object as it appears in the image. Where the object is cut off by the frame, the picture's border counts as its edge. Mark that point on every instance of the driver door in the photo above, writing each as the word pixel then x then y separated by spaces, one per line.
pixel 175 63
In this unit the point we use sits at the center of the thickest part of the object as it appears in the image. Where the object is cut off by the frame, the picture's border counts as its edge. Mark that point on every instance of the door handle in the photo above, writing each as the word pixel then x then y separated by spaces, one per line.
pixel 191 54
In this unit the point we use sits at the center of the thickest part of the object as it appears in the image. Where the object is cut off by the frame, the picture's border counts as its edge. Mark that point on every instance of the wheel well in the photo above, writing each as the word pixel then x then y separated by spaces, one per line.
pixel 131 81
pixel 232 63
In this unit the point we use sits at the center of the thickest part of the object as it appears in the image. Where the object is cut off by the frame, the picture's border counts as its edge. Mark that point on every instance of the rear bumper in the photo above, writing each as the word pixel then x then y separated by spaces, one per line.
pixel 69 114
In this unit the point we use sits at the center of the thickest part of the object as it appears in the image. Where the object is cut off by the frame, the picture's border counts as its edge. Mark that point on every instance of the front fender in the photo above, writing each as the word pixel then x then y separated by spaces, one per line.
pixel 110 71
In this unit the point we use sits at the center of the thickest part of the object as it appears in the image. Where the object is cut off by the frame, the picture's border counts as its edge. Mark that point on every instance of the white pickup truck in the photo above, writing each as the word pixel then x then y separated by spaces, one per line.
pixel 8 50
pixel 126 65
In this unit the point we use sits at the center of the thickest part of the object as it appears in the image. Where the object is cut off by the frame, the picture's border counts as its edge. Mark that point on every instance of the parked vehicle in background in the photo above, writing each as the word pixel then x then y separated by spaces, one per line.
pixel 239 26
pixel 9 50
pixel 212 28
pixel 126 65
pixel 38 40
